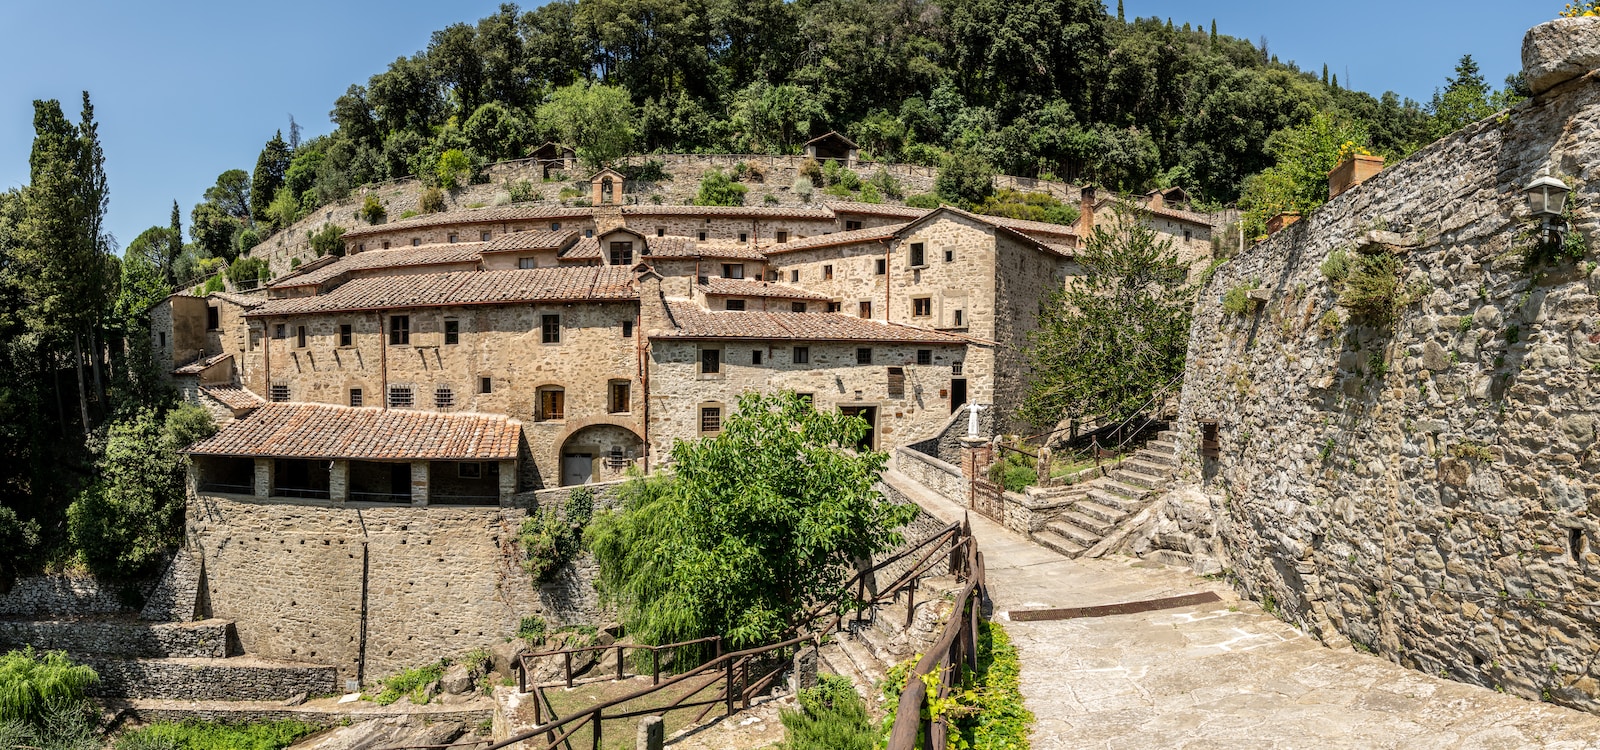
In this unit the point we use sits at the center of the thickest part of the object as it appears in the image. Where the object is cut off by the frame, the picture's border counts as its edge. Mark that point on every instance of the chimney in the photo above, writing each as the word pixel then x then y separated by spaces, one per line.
pixel 1352 172
pixel 1086 209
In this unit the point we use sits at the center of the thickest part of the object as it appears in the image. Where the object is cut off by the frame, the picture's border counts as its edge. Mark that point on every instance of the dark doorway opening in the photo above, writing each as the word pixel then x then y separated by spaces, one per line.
pixel 958 394
pixel 868 439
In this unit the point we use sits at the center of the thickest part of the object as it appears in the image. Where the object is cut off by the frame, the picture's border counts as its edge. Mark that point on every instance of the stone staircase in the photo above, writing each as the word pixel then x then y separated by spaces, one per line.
pixel 1104 504
pixel 864 650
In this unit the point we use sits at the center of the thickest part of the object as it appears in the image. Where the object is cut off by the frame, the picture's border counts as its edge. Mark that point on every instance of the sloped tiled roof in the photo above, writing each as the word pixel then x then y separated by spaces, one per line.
pixel 721 287
pixel 541 240
pixel 587 248
pixel 201 365
pixel 696 323
pixel 238 399
pixel 371 260
pixel 754 212
pixel 876 209
pixel 246 301
pixel 854 236
pixel 571 284
pixel 1031 227
pixel 713 249
pixel 497 214
pixel 322 431
pixel 1189 217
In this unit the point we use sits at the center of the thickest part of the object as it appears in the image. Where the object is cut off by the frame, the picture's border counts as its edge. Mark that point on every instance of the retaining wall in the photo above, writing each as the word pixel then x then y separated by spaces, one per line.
pixel 240 679
pixel 206 639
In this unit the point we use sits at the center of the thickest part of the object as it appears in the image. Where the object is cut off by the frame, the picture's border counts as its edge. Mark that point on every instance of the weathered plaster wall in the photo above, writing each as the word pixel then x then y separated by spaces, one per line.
pixel 1425 490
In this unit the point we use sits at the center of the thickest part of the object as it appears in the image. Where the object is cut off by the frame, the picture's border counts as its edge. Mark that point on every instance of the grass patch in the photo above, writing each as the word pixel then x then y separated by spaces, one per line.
pixel 412 683
pixel 831 717
pixel 205 735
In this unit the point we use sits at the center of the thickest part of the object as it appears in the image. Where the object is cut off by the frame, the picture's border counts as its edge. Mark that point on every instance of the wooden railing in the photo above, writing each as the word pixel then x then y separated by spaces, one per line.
pixel 952 656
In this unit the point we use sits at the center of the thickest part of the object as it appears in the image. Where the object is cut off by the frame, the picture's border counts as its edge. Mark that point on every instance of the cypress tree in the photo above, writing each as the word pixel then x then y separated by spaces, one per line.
pixel 1324 74
pixel 1213 32
pixel 1120 18
pixel 271 167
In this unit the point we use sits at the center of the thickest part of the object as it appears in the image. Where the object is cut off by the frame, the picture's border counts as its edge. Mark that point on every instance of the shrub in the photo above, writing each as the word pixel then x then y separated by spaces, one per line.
pixel 246 239
pixel 454 164
pixel 550 540
pixel 1031 206
pixel 923 200
pixel 831 717
pixel 206 735
pixel 408 213
pixel 1237 301
pixel 1336 267
pixel 965 180
pixel 1369 286
pixel 214 284
pixel 869 194
pixel 803 188
pixel 31 682
pixel 412 683
pixel 372 210
pixel 328 240
pixel 770 199
pixel 532 628
pixel 431 201
pixel 245 270
pixel 522 191
pixel 294 263
pixel 570 192
pixel 284 209
pixel 811 170
pixel 658 198
pixel 716 189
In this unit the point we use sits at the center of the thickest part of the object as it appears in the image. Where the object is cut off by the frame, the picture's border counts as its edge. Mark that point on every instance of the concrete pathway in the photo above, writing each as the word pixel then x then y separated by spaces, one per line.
pixel 1221 675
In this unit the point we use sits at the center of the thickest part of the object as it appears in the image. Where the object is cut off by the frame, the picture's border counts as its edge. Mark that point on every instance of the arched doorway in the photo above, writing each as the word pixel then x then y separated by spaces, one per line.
pixel 599 453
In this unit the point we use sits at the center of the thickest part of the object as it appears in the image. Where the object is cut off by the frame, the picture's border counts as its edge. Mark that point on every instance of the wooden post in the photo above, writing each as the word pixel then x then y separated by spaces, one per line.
pixel 522 676
pixel 729 692
pixel 568 659
pixel 619 662
pixel 744 682
pixel 598 723
pixel 655 666
pixel 911 600
pixel 538 710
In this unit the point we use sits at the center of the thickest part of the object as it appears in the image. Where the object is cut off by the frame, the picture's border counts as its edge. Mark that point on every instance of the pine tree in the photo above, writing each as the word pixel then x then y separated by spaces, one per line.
pixel 1120 17
pixel 271 167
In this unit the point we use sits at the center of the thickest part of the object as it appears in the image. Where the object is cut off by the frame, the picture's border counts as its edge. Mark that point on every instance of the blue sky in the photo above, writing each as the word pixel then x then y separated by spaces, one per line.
pixel 185 90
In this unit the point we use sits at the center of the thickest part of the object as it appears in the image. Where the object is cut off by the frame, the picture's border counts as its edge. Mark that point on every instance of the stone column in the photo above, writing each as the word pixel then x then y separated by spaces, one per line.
pixel 339 481
pixel 419 482
pixel 805 669
pixel 508 482
pixel 652 734
pixel 264 477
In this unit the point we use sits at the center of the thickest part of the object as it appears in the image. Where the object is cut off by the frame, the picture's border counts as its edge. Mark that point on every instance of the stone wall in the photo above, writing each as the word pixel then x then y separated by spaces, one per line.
pixel 69 596
pixel 1424 489
pixel 207 639
pixel 240 679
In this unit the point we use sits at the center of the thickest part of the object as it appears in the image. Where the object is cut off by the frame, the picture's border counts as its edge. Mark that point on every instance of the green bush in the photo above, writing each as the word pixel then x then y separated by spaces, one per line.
pixel 770 199
pixel 454 164
pixel 294 263
pixel 328 241
pixel 831 717
pixel 412 683
pixel 716 189
pixel 214 284
pixel 31 682
pixel 431 201
pixel 923 200
pixel 206 735
pixel 803 188
pixel 986 709
pixel 887 185
pixel 811 170
pixel 284 209
pixel 372 210
pixel 1030 206
pixel 550 540
pixel 1014 471
pixel 1369 286
pixel 965 180
pixel 532 628
pixel 522 191
pixel 248 269
pixel 1237 301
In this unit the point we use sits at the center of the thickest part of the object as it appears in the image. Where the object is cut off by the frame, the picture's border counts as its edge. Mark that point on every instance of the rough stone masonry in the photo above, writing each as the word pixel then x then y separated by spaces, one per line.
pixel 1425 490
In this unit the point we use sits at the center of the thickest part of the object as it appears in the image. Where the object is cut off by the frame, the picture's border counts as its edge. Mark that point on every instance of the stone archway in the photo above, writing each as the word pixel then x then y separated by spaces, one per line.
pixel 599 451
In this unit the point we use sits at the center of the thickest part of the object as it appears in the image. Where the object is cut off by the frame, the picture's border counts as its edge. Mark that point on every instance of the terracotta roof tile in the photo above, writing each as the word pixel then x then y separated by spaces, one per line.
pixel 783 212
pixel 371 260
pixel 322 431
pixel 1170 213
pixel 852 237
pixel 580 284
pixel 201 365
pixel 246 301
pixel 541 240
pixel 497 214
pixel 721 287
pixel 238 399
pixel 693 322
pixel 876 209
pixel 735 250
pixel 587 248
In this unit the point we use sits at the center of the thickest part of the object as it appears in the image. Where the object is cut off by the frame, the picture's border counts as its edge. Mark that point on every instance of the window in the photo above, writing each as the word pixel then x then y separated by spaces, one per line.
pixel 919 255
pixel 755 356
pixel 361 248
pixel 552 403
pixel 1210 439
pixel 772 276
pixel 162 337
pixel 881 266
pixel 864 355
pixel 897 382
pixel 555 226
pixel 957 367
pixel 866 310
pixel 213 318
pixel 416 241
pixel 588 233
pixel 346 335
pixel 400 397
pixel 960 318
pixel 280 331
pixel 744 236
pixel 1187 235
pixel 921 307
pixel 782 237
pixel 802 355
pixel 834 307
pixel 797 307
pixel 454 238
pixel 735 304
pixel 551 325
pixel 661 232
pixel 279 392
pixel 400 330
pixel 618 396
pixel 486 384
pixel 300 336
pixel 622 253
pixel 355 396
pixel 733 270
pixel 386 244
pixel 527 263
pixel 949 254
pixel 483 236
pixel 794 277
pixel 710 419
pixel 627 329
pixel 469 470
pixel 809 399
pixel 710 361
pixel 850 226
pixel 827 273
pixel 702 236
pixel 452 332
pixel 443 397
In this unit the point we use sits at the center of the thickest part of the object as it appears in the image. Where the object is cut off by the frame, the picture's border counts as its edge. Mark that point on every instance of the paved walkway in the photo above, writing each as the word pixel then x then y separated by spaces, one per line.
pixel 1221 675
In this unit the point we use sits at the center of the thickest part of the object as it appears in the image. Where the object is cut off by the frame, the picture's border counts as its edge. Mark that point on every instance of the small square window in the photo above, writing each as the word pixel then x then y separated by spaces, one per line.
pixel 279 392
pixel 733 270
pixel 443 397
pixel 735 304
pixel 782 237
pixel 881 266
pixel 755 356
pixel 527 263
pixel 897 382
pixel 552 403
pixel 834 307
pixel 702 236
pixel 300 336
pixel 827 273
pixel 710 361
pixel 710 419
pixel 621 253
pixel 162 337
pixel 400 330
pixel 555 226
pixel 213 318
pixel 744 236
pixel 794 277
pixel 924 356
pixel 416 241
pixel 957 367
pixel 588 233
pixel 809 399
pixel 618 397
pixel 661 232
pixel 960 318
pixel 551 328
pixel 355 396
pixel 452 332
pixel 919 255
pixel 454 238
pixel 386 244
pixel 483 236
pixel 921 307
pixel 949 255
pixel 627 329
pixel 797 307
pixel 866 309
pixel 486 384
pixel 400 397
pixel 469 470
pixel 851 226
pixel 802 355
pixel 864 355
pixel 346 334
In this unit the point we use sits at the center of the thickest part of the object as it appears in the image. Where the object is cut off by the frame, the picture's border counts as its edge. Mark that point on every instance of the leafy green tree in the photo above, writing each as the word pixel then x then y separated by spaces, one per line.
pixel 965 180
pixel 1117 335
pixel 453 165
pixel 328 240
pixel 231 194
pixel 32 681
pixel 595 119
pixel 271 167
pixel 1299 180
pixel 498 132
pixel 757 524
pixel 212 229
pixel 155 246
pixel 773 119
pixel 1465 99
pixel 718 189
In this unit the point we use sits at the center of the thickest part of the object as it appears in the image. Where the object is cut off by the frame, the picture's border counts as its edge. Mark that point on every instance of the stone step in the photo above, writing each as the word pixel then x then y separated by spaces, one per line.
pixel 1163 445
pixel 1148 468
pixel 1166 461
pixel 1117 501
pixel 1103 513
pixel 833 659
pixel 860 654
pixel 1138 478
pixel 1061 544
pixel 243 678
pixel 1113 486
pixel 1084 521
pixel 1079 535
pixel 1169 435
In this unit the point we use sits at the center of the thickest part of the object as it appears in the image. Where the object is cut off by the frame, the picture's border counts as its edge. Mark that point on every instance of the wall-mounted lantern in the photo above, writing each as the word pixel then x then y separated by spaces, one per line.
pixel 1547 201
